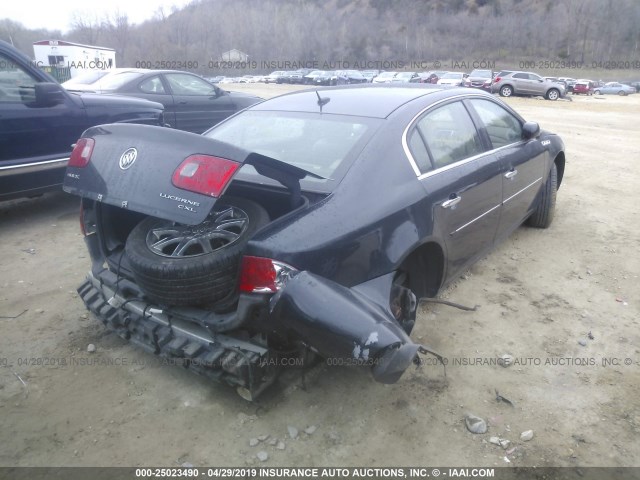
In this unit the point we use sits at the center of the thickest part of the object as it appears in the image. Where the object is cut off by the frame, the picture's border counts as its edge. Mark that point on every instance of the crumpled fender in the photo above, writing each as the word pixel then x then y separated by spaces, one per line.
pixel 341 323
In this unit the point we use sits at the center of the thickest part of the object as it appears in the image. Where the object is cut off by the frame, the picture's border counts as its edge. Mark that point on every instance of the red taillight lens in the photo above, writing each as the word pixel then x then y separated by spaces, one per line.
pixel 204 174
pixel 263 275
pixel 81 153
pixel 497 79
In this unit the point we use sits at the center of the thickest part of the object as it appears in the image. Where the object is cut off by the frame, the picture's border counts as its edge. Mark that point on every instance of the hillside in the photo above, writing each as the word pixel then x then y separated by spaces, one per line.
pixel 364 31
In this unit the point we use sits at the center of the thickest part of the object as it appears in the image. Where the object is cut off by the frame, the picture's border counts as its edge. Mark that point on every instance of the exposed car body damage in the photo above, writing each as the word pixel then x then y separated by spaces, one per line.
pixel 325 217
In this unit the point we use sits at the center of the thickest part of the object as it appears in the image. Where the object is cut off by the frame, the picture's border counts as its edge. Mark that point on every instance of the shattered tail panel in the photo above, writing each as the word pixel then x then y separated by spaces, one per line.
pixel 239 363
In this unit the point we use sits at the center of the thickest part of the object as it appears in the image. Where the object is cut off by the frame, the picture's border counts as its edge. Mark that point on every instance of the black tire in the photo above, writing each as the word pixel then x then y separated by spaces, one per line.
pixel 169 261
pixel 553 94
pixel 597 92
pixel 543 214
pixel 506 91
pixel 622 93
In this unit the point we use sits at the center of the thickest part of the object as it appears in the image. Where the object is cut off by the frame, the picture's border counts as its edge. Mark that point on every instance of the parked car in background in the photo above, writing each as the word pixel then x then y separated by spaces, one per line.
pixel 294 76
pixel 526 83
pixel 404 77
pixel 274 76
pixel 421 77
pixel 635 85
pixel 370 74
pixel 452 79
pixel 479 79
pixel 568 82
pixel 347 77
pixel 384 77
pixel 309 78
pixel 267 240
pixel 191 103
pixel 614 88
pixel 436 75
pixel 326 78
pixel 40 121
pixel 583 87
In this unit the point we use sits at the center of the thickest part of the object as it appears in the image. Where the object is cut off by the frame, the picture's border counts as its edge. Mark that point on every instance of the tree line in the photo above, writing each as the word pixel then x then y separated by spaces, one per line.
pixel 350 31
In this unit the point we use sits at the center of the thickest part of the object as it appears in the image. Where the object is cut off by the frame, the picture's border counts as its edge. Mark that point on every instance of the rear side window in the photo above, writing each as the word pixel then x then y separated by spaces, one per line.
pixel 184 84
pixel 450 134
pixel 152 85
pixel 503 128
pixel 419 151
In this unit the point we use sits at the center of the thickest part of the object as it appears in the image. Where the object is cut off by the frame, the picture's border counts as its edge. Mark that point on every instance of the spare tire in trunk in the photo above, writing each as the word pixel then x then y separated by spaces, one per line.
pixel 176 264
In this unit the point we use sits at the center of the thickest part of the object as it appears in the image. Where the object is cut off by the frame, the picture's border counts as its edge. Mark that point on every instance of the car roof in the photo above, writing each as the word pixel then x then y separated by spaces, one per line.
pixel 377 101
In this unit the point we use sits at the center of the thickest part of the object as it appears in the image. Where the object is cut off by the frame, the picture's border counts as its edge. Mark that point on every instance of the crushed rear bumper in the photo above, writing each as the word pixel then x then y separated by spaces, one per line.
pixel 351 326
pixel 241 363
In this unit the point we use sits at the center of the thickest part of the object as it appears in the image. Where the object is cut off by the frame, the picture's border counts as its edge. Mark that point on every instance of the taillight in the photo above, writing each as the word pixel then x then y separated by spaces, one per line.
pixel 81 153
pixel 263 275
pixel 204 174
pixel 497 79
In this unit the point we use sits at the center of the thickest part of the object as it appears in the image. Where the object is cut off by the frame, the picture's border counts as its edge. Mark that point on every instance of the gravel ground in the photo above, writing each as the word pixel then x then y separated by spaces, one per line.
pixel 562 302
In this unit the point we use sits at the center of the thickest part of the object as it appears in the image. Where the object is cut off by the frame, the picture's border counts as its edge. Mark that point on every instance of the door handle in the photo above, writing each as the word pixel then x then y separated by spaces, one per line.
pixel 451 202
pixel 511 173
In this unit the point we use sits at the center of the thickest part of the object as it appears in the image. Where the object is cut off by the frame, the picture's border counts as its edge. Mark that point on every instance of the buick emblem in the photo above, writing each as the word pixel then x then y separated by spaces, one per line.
pixel 128 158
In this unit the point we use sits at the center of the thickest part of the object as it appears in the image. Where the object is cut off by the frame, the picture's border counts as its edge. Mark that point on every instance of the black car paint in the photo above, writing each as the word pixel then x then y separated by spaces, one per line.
pixel 386 217
pixel 36 138
pixel 191 113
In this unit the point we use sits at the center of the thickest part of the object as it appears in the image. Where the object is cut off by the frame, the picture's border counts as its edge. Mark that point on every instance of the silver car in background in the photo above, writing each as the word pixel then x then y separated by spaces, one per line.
pixel 526 83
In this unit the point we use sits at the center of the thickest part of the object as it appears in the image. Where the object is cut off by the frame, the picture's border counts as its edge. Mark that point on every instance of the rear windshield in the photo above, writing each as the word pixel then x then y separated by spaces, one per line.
pixel 481 74
pixel 322 144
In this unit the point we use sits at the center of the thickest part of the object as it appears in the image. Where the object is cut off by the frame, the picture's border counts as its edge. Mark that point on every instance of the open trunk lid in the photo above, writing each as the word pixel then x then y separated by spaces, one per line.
pixel 136 167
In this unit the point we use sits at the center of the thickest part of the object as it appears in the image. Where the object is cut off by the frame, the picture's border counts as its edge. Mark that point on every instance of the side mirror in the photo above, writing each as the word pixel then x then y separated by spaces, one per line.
pixel 530 130
pixel 48 94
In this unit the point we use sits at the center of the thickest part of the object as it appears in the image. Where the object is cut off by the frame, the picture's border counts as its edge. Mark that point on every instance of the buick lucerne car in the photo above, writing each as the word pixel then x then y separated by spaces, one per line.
pixel 40 122
pixel 308 224
pixel 191 103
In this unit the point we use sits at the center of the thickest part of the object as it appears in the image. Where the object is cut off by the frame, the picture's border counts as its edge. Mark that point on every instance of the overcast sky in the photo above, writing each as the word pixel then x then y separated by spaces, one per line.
pixel 57 14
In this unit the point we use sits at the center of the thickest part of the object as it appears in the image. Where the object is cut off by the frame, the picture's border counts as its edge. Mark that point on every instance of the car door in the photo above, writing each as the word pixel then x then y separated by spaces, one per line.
pixel 461 179
pixel 522 162
pixel 35 136
pixel 537 84
pixel 522 83
pixel 198 104
pixel 155 89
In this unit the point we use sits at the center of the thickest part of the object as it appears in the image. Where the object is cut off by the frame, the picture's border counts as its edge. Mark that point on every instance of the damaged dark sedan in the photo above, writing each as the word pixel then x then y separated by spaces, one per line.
pixel 308 224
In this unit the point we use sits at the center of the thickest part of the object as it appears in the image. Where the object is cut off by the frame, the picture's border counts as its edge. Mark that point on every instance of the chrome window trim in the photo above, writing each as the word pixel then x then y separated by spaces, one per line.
pixel 33 167
pixel 412 162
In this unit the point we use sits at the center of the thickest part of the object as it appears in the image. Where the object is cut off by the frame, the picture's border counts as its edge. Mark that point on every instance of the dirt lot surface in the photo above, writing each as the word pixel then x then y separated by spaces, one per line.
pixel 540 294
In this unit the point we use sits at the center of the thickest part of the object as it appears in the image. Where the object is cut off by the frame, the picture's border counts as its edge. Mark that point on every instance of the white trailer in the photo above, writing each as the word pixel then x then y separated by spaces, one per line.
pixel 77 58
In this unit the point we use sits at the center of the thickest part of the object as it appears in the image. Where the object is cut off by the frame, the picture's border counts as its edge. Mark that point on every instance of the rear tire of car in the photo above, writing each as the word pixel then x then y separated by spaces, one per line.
pixel 543 214
pixel 598 92
pixel 553 94
pixel 198 275
pixel 506 91
pixel 622 93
